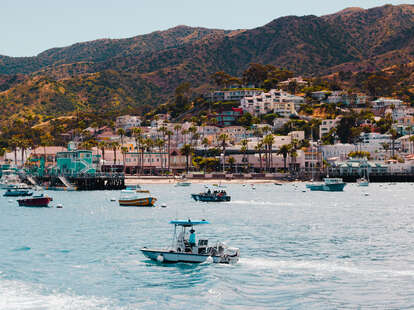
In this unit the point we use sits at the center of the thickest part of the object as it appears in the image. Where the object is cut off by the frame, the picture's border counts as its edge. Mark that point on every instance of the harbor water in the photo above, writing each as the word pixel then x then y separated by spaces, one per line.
pixel 299 250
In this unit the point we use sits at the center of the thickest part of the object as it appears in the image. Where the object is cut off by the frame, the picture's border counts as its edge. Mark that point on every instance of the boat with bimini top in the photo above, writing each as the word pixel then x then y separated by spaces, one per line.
pixel 185 249
pixel 212 196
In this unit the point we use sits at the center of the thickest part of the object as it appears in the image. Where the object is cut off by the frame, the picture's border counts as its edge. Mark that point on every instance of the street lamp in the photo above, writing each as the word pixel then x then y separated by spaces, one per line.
pixel 222 159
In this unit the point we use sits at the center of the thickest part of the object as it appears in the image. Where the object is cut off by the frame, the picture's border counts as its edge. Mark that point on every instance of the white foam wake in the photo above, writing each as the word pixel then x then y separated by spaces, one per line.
pixel 20 295
pixel 321 267
pixel 255 202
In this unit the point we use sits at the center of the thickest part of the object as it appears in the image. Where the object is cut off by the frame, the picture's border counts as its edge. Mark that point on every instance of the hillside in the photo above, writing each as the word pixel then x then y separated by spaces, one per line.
pixel 129 73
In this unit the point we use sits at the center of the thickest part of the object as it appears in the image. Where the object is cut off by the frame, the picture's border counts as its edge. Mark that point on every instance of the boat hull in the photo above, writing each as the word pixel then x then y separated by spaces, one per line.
pixel 326 187
pixel 140 202
pixel 18 194
pixel 175 257
pixel 35 202
pixel 205 198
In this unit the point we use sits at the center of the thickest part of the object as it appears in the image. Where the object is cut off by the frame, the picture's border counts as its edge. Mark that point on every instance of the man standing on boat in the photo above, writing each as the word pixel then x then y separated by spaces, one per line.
pixel 192 239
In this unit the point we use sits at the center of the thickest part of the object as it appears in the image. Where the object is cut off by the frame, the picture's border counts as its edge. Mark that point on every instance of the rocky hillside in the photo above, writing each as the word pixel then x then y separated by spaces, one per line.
pixel 146 69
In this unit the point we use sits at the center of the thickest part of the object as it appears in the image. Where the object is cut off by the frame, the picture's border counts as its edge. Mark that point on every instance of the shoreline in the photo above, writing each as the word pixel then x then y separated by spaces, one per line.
pixel 138 180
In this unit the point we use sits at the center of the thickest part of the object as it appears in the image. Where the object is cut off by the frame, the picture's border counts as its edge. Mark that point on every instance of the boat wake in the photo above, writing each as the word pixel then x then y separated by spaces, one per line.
pixel 320 267
pixel 21 295
pixel 261 203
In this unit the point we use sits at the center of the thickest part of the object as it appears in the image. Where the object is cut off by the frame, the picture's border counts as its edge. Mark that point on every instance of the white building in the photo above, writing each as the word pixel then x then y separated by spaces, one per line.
pixel 234 95
pixel 327 125
pixel 279 122
pixel 386 102
pixel 127 122
pixel 297 135
pixel 275 101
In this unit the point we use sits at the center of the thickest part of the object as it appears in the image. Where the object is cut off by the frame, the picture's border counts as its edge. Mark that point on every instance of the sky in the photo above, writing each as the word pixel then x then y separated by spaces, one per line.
pixel 29 27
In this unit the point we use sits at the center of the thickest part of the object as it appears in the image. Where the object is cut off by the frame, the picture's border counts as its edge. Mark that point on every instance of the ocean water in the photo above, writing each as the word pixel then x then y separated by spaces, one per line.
pixel 299 250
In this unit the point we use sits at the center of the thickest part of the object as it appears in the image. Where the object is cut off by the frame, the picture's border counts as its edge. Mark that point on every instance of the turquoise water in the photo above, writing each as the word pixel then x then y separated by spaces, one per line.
pixel 299 250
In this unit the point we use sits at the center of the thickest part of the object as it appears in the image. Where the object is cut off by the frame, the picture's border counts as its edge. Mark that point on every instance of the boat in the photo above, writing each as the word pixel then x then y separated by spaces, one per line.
pixel 362 182
pixel 9 179
pixel 329 185
pixel 183 184
pixel 135 198
pixel 277 184
pixel 184 249
pixel 35 201
pixel 16 192
pixel 212 196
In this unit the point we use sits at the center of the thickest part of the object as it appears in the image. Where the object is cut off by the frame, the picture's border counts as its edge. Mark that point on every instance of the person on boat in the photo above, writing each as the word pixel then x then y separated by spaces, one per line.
pixel 192 238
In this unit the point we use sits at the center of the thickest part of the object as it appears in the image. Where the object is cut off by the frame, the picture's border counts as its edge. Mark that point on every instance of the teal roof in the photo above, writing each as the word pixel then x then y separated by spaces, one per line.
pixel 189 223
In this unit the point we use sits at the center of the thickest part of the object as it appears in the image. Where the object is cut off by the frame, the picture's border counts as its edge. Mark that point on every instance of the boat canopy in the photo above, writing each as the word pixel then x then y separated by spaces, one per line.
pixel 189 223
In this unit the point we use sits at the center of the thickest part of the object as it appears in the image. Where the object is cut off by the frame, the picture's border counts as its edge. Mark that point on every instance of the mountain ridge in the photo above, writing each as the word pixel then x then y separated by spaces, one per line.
pixel 353 39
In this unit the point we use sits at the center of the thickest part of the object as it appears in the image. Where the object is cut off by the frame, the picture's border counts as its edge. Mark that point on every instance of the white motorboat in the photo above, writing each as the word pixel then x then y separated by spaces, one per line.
pixel 186 250
pixel 362 182
pixel 9 179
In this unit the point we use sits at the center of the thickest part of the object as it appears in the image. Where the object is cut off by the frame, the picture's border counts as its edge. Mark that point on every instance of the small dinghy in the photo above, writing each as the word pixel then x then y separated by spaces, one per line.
pixel 185 184
pixel 185 249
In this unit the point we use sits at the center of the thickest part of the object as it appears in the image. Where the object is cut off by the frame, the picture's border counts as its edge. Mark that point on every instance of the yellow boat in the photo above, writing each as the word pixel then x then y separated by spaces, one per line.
pixel 140 202
pixel 133 198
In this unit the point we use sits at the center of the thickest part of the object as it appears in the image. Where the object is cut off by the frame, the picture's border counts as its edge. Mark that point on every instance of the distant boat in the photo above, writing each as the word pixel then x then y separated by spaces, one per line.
pixel 212 196
pixel 329 185
pixel 136 198
pixel 362 182
pixel 278 184
pixel 183 251
pixel 183 184
pixel 15 192
pixel 35 201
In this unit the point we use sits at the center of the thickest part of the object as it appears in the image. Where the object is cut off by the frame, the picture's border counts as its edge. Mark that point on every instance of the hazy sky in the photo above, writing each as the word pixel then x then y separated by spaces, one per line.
pixel 29 27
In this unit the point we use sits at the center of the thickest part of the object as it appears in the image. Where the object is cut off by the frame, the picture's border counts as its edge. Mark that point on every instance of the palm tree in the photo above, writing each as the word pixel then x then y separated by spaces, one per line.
pixel 394 136
pixel 284 151
pixel 222 139
pixel 177 128
pixel 205 143
pixel 293 154
pixel 231 161
pixel 186 150
pixel 160 144
pixel 412 143
pixel 114 146
pixel 244 149
pixel 137 134
pixel 259 148
pixel 124 151
pixel 385 146
pixel 268 142
pixel 149 144
pixel 14 142
pixel 121 133
pixel 101 146
pixel 169 133
pixel 184 133
pixel 45 140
